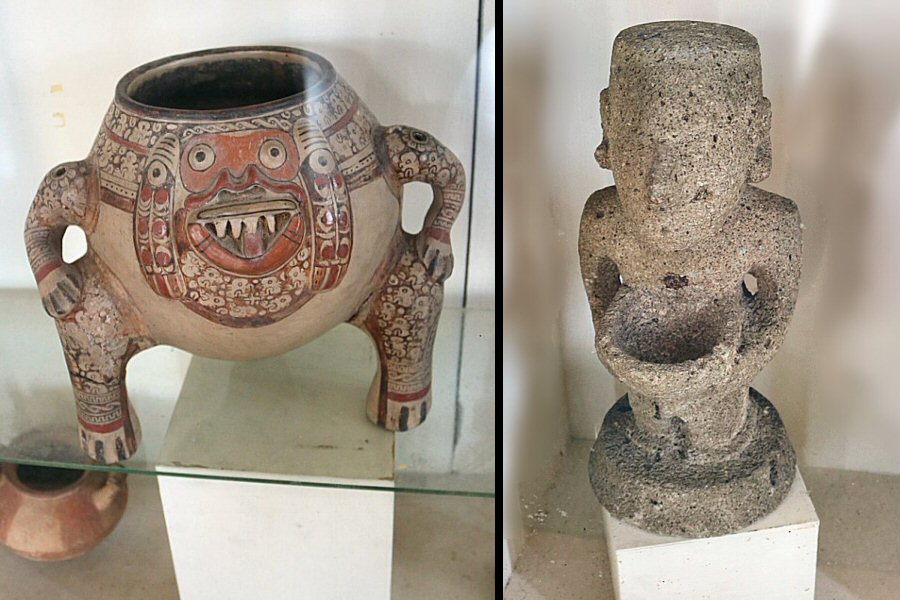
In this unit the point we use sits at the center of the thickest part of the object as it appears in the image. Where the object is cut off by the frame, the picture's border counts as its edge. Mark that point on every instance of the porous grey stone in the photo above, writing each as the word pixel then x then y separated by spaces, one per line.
pixel 692 276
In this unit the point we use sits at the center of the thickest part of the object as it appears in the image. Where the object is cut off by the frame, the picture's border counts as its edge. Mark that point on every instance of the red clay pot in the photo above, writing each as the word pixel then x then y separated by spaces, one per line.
pixel 56 514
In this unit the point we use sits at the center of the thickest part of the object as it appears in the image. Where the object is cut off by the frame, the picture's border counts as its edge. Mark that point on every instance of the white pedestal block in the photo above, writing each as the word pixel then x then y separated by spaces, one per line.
pixel 233 541
pixel 775 558
pixel 300 418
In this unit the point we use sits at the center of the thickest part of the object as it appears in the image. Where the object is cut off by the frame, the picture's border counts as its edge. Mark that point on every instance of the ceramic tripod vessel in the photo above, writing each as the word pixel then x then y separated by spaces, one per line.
pixel 238 203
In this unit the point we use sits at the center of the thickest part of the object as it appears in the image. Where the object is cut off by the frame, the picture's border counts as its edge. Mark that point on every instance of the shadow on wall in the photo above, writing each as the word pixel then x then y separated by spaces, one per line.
pixel 534 413
pixel 822 174
pixel 811 169
pixel 837 144
pixel 844 148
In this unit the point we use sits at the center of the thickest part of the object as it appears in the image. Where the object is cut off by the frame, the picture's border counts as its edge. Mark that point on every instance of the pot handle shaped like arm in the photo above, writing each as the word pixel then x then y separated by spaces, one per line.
pixel 408 155
pixel 61 201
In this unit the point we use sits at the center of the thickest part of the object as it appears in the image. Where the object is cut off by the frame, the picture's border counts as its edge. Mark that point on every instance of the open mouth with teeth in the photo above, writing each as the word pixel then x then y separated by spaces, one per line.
pixel 248 228
pixel 249 231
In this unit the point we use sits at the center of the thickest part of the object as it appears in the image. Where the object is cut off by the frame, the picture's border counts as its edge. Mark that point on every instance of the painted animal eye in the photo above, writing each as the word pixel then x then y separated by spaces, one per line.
pixel 202 157
pixel 272 154
pixel 321 161
pixel 156 173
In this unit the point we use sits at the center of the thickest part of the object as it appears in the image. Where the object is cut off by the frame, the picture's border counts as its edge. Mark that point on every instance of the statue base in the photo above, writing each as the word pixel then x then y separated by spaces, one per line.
pixel 773 558
pixel 666 487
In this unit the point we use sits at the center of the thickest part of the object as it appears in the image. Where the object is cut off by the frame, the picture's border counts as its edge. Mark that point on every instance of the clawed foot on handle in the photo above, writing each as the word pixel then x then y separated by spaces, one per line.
pixel 435 252
pixel 61 290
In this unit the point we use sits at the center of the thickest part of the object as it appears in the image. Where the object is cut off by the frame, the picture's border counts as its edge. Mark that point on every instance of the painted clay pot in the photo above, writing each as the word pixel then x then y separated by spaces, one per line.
pixel 55 514
pixel 238 203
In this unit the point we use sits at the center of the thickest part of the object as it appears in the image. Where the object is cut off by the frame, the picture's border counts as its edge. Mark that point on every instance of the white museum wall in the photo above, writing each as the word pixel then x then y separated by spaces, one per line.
pixel 412 63
pixel 832 71
pixel 480 285
pixel 535 425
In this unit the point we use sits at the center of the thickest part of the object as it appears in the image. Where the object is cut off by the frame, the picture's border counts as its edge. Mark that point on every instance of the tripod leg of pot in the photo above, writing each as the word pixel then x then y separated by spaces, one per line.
pixel 403 321
pixel 98 340
pixel 409 154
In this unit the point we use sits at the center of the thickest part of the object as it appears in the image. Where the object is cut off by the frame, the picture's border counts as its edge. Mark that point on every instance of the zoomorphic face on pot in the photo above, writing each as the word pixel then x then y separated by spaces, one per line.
pixel 685 127
pixel 242 212
pixel 244 199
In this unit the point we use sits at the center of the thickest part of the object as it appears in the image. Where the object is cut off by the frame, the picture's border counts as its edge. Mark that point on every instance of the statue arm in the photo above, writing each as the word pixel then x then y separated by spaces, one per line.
pixel 599 271
pixel 768 311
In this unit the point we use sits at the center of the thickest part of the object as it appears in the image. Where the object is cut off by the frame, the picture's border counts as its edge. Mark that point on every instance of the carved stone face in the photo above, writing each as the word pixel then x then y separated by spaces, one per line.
pixel 682 137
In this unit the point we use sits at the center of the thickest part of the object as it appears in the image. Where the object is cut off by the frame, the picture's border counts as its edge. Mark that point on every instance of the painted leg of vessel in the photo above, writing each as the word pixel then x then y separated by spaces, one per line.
pixel 402 320
pixel 98 340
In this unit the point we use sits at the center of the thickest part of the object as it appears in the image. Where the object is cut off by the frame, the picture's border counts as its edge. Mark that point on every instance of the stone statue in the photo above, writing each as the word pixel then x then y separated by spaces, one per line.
pixel 692 275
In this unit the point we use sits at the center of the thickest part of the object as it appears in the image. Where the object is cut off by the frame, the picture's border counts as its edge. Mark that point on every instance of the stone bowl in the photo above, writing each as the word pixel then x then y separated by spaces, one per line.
pixel 670 342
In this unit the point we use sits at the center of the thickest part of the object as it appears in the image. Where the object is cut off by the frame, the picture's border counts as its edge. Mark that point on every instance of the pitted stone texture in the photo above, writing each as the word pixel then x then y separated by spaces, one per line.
pixel 661 485
pixel 692 276
pixel 686 126
pixel 702 285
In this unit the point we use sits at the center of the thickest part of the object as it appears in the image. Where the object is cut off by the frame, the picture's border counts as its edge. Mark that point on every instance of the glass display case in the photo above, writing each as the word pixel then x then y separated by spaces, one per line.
pixel 266 471
pixel 273 422
pixel 266 420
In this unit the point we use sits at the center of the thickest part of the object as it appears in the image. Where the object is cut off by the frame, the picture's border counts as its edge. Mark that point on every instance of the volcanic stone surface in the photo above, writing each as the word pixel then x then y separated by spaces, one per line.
pixel 692 275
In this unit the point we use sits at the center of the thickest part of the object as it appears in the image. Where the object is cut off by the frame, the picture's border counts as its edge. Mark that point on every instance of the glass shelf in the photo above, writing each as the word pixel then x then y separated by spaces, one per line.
pixel 294 419
pixel 456 564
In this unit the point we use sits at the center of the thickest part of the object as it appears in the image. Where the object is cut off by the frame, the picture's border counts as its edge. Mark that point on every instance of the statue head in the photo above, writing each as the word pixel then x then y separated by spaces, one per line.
pixel 685 127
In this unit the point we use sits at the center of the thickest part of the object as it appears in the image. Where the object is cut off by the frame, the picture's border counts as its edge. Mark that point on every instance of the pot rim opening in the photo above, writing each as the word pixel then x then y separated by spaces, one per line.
pixel 224 83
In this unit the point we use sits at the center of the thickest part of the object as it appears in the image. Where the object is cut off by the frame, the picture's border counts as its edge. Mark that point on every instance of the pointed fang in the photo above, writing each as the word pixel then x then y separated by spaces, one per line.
pixel 235 228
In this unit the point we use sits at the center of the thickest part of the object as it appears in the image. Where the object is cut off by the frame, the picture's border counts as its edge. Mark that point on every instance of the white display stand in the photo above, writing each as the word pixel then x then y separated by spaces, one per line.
pixel 775 558
pixel 276 541
pixel 299 418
